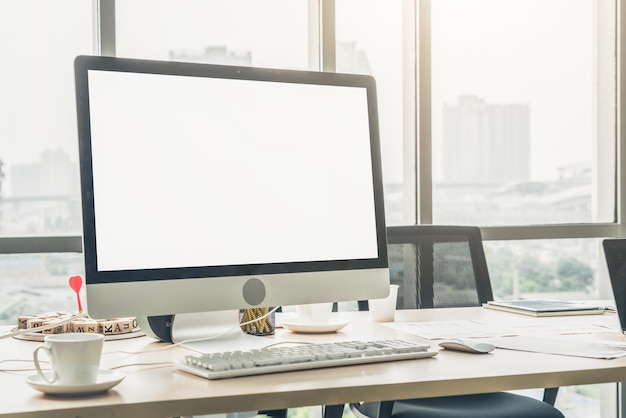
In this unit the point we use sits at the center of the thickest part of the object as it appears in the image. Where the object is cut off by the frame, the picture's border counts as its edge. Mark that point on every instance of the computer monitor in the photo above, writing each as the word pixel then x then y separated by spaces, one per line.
pixel 210 188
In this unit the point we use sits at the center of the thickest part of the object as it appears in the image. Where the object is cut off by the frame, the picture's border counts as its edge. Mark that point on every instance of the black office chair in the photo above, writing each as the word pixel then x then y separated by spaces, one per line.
pixel 436 267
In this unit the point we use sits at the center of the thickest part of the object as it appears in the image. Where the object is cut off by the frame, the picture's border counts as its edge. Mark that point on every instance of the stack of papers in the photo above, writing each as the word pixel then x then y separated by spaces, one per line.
pixel 547 307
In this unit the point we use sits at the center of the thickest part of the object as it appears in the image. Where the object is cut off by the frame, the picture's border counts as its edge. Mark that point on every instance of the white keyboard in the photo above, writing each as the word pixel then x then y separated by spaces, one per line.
pixel 301 357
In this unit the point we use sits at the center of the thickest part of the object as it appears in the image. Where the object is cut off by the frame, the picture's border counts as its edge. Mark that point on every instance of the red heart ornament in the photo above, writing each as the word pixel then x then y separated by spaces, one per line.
pixel 76 282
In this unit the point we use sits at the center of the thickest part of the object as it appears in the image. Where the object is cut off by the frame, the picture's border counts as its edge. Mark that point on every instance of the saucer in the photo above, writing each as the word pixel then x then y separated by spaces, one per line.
pixel 106 380
pixel 295 325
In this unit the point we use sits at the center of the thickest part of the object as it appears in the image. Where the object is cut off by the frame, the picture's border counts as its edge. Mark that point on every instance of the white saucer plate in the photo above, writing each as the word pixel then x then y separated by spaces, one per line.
pixel 106 380
pixel 294 325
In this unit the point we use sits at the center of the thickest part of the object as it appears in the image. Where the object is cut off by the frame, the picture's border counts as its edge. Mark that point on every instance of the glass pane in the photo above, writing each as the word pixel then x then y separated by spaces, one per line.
pixel 555 269
pixel 552 269
pixel 39 39
pixel 587 401
pixel 584 401
pixel 369 41
pixel 523 111
pixel 272 33
pixel 38 283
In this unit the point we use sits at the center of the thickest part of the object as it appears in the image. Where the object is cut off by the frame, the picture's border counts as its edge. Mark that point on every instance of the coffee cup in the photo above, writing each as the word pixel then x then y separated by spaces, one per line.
pixel 314 313
pixel 384 309
pixel 74 358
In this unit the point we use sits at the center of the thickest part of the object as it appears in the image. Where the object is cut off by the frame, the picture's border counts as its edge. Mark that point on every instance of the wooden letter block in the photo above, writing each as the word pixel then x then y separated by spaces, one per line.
pixel 106 327
pixel 117 326
pixel 22 321
pixel 34 322
pixel 58 329
pixel 88 326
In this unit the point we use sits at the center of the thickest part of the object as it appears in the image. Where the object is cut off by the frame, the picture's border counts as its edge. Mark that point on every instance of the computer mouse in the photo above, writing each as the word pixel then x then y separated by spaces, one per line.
pixel 468 346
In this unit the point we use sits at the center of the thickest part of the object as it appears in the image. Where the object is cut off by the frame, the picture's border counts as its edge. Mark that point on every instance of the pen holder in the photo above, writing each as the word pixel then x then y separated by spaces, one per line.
pixel 256 321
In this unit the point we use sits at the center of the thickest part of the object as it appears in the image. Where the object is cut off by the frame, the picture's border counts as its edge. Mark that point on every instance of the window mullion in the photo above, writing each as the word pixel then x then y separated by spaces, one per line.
pixel 34 245
pixel 621 118
pixel 104 27
pixel 328 38
pixel 424 140
pixel 410 117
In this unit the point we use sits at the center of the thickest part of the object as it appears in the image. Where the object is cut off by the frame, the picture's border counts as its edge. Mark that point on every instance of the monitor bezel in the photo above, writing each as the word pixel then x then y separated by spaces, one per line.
pixel 125 281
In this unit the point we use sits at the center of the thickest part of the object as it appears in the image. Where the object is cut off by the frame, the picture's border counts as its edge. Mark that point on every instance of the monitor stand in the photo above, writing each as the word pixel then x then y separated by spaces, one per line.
pixel 203 331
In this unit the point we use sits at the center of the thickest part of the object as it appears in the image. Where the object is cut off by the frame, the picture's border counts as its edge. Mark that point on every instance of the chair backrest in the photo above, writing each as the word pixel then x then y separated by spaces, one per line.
pixel 438 266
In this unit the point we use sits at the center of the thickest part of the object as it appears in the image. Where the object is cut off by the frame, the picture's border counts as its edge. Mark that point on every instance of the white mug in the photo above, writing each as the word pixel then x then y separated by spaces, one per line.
pixel 315 313
pixel 384 310
pixel 74 358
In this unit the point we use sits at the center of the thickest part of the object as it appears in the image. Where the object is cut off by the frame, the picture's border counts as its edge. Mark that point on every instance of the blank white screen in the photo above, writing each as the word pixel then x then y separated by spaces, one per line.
pixel 195 171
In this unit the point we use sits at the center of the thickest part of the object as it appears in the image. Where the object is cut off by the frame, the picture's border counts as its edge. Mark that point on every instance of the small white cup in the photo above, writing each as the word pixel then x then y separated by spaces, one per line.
pixel 74 358
pixel 314 313
pixel 384 310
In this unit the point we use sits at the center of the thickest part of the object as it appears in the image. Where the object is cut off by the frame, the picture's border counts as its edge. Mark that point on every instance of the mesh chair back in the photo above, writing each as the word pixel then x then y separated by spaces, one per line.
pixel 438 266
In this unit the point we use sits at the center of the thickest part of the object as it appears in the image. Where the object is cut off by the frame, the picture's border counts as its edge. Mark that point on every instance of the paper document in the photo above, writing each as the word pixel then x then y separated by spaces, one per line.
pixel 562 347
pixel 440 330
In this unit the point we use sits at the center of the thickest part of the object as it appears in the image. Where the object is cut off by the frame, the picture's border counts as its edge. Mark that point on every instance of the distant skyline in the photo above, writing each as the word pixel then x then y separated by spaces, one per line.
pixel 500 134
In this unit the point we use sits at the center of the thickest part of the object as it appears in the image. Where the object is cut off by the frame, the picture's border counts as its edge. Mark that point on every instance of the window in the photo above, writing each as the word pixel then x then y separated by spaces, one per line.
pixel 518 107
pixel 39 159
pixel 39 194
pixel 523 119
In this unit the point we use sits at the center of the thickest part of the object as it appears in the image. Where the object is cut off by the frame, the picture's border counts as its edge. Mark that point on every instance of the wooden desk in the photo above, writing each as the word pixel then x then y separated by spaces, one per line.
pixel 160 392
